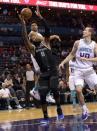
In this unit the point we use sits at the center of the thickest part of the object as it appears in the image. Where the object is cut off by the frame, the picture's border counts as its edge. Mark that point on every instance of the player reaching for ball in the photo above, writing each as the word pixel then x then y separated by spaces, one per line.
pixel 46 60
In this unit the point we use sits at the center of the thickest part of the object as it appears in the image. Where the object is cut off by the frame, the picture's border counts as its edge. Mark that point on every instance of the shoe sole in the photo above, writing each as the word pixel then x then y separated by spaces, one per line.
pixel 60 119
pixel 33 94
pixel 85 118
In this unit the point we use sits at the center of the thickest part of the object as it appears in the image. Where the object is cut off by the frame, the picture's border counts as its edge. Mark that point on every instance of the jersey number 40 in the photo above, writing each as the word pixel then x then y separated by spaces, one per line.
pixel 86 55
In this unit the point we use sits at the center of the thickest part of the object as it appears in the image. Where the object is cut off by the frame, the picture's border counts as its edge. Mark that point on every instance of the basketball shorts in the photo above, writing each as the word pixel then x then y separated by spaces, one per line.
pixel 87 76
pixel 71 83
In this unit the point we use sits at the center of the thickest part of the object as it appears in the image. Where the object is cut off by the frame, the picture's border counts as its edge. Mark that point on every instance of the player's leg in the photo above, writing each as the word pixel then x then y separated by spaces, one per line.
pixel 27 96
pixel 91 80
pixel 73 90
pixel 43 91
pixel 55 90
pixel 79 83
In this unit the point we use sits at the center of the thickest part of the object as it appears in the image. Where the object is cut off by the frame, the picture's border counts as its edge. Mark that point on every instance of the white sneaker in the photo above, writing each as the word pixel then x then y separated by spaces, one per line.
pixel 35 94
pixel 9 108
pixel 19 107
pixel 50 99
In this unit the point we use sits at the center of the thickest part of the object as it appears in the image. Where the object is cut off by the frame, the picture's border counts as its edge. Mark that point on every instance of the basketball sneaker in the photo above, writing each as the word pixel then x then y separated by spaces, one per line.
pixel 85 115
pixel 60 117
pixel 9 107
pixel 35 94
pixel 45 121
pixel 50 99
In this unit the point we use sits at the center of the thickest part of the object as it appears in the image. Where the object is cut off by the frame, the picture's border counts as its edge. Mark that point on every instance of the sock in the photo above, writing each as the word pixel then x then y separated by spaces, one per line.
pixel 73 97
pixel 84 107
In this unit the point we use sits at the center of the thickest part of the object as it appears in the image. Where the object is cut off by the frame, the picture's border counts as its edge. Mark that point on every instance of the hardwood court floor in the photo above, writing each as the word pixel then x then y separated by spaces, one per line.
pixel 33 113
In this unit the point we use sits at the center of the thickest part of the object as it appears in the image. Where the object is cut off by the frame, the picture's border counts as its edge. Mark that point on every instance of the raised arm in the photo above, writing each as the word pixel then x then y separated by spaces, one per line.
pixel 70 56
pixel 45 24
pixel 27 43
pixel 55 37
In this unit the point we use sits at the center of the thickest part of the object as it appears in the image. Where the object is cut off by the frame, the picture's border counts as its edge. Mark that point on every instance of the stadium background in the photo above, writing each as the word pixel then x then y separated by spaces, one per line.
pixel 67 23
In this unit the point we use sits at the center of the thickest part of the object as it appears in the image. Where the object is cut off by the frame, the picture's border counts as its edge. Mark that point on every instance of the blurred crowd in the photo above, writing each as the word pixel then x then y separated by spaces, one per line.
pixel 67 18
pixel 80 1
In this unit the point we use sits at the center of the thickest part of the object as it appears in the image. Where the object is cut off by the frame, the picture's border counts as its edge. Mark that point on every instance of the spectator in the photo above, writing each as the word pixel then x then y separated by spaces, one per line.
pixel 30 83
pixel 5 94
pixel 9 83
pixel 89 94
pixel 65 91
pixel 17 81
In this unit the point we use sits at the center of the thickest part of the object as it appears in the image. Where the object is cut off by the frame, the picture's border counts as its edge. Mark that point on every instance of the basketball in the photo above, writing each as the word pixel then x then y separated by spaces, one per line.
pixel 26 13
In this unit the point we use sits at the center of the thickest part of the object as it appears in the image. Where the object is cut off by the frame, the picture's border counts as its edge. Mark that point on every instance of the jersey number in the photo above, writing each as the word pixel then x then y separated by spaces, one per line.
pixel 72 70
pixel 42 54
pixel 86 55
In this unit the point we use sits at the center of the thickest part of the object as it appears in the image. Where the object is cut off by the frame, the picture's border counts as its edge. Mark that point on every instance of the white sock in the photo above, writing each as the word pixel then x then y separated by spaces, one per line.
pixel 84 107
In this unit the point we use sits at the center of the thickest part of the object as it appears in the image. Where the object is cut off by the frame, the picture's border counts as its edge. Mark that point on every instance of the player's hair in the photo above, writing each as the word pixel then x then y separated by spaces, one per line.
pixel 34 22
pixel 91 30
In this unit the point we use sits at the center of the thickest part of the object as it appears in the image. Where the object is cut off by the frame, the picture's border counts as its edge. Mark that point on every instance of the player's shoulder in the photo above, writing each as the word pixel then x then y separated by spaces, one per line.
pixel 31 31
pixel 94 42
pixel 76 42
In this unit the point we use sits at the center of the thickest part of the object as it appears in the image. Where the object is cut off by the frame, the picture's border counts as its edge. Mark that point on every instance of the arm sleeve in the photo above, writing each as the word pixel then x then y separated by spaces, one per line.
pixel 47 28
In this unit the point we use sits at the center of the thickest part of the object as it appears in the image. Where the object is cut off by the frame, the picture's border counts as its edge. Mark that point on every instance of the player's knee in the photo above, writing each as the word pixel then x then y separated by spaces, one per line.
pixel 95 87
pixel 78 90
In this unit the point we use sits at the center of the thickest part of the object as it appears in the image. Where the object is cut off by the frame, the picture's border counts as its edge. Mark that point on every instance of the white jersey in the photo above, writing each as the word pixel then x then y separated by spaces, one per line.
pixel 5 93
pixel 71 67
pixel 87 51
pixel 33 32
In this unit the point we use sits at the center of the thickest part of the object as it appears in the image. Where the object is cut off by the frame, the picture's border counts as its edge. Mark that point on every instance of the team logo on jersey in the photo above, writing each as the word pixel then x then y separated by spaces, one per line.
pixel 26 1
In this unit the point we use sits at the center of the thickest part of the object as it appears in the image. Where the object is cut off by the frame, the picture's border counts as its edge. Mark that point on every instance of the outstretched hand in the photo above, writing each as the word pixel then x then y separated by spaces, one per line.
pixel 83 59
pixel 21 18
pixel 58 37
pixel 37 12
pixel 61 66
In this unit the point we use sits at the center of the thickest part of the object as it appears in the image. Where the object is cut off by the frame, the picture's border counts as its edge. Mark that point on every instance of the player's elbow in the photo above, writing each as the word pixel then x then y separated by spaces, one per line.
pixel 72 55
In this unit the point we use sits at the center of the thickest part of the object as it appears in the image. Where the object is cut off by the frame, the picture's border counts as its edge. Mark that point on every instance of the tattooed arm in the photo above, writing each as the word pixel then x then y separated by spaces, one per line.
pixel 30 47
pixel 70 56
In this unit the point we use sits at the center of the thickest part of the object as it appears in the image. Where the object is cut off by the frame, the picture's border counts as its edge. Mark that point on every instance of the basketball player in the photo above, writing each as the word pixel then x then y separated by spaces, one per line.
pixel 35 36
pixel 71 81
pixel 45 58
pixel 86 48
